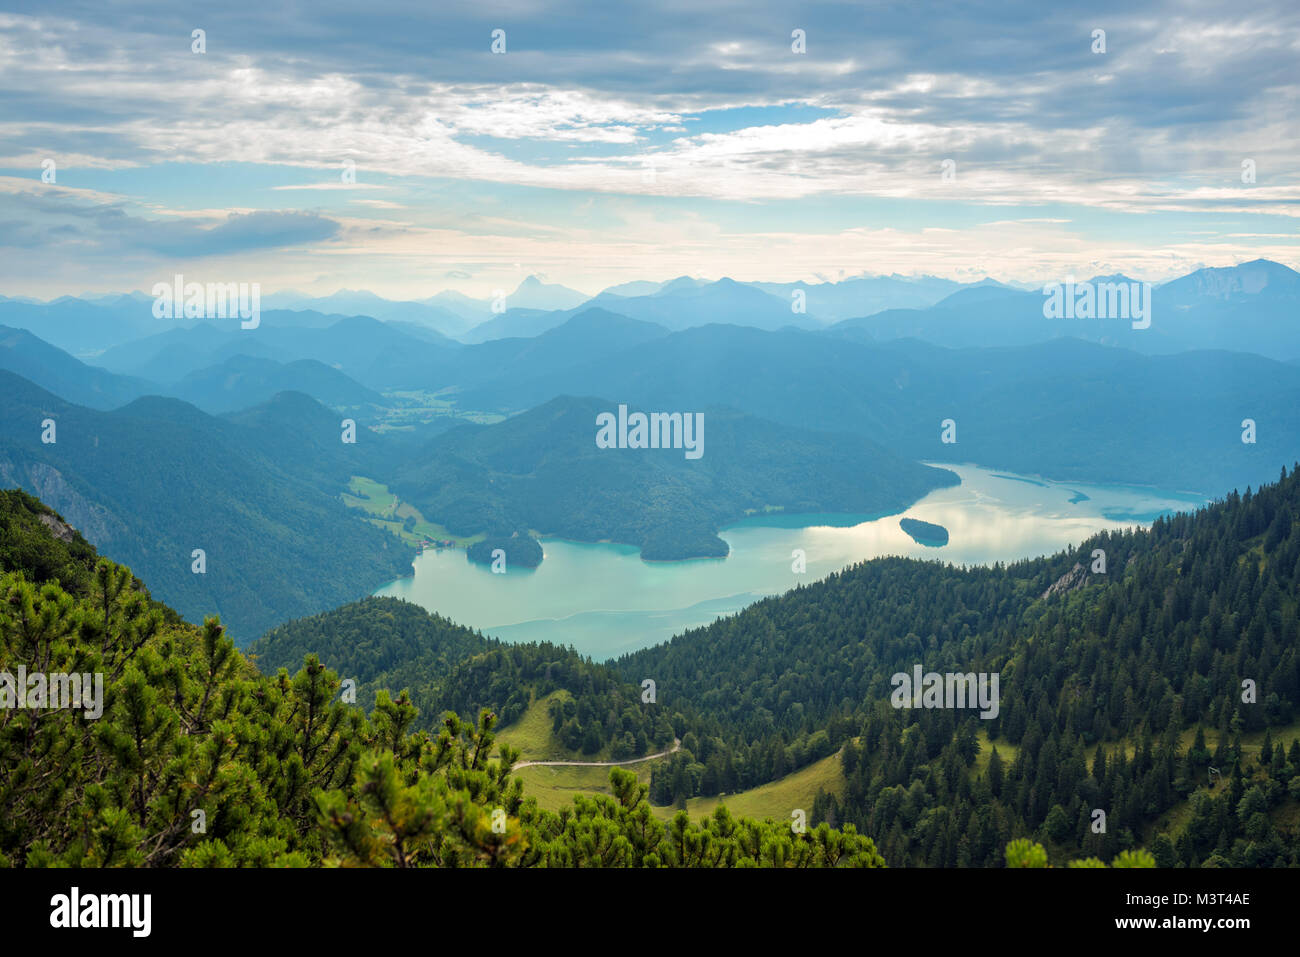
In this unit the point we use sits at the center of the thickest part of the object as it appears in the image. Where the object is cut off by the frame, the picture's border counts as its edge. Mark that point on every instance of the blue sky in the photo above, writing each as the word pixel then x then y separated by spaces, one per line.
pixel 626 141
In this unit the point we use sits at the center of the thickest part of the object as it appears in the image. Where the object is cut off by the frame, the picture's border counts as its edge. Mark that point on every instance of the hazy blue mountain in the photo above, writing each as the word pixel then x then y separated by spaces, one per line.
pixel 459 314
pixel 349 302
pixel 472 310
pixel 1253 307
pixel 543 470
pixel 789 375
pixel 1017 408
pixel 377 355
pixel 999 316
pixel 680 284
pixel 182 350
pixel 53 369
pixel 79 327
pixel 373 353
pixel 679 305
pixel 687 301
pixel 826 301
pixel 87 328
pixel 115 300
pixel 1233 284
pixel 243 380
pixel 1076 410
pixel 588 336
pixel 150 482
pixel 424 333
pixel 532 293
pixel 384 355
pixel 637 287
pixel 297 432
pixel 519 324
pixel 863 295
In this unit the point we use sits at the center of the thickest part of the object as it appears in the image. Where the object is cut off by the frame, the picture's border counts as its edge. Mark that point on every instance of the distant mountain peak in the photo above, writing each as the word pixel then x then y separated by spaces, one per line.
pixel 681 282
pixel 1235 282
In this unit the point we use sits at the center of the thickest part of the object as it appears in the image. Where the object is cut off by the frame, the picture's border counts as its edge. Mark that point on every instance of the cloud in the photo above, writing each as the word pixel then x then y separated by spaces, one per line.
pixel 330 186
pixel 540 155
pixel 1013 95
pixel 96 224
pixel 238 233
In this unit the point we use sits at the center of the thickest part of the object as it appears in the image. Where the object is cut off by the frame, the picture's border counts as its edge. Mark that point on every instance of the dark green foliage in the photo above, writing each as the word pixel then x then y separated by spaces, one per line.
pixel 36 541
pixel 198 760
pixel 927 533
pixel 151 482
pixel 242 381
pixel 1017 407
pixel 1161 643
pixel 543 470
pixel 386 643
pixel 521 551
pixel 370 638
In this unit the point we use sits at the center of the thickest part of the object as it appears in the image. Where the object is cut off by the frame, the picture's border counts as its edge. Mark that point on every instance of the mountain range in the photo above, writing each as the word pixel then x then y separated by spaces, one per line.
pixel 544 470
pixel 1250 307
pixel 156 479
pixel 212 405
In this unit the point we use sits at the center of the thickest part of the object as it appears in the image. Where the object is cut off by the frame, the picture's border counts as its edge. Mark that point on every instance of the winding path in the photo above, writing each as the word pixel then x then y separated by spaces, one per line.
pixel 677 746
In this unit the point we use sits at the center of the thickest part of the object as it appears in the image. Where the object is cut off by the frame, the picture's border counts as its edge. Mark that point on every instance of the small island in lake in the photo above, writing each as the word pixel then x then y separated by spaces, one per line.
pixel 925 533
pixel 522 551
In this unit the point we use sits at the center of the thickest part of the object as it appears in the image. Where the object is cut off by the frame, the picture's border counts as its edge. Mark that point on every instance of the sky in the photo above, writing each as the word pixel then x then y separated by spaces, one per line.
pixel 321 145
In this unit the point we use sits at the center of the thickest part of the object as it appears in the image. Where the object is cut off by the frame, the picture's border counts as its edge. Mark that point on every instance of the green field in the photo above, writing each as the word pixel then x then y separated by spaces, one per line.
pixel 553 787
pixel 369 495
pixel 1007 751
pixel 531 735
pixel 556 788
pixel 1284 816
pixel 389 513
pixel 408 409
pixel 776 799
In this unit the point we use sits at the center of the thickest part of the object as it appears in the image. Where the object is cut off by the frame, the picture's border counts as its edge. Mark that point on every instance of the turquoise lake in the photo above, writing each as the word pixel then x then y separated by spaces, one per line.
pixel 605 601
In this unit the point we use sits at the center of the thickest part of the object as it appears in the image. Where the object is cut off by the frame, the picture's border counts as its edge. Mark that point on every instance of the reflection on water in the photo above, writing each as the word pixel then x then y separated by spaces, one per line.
pixel 605 601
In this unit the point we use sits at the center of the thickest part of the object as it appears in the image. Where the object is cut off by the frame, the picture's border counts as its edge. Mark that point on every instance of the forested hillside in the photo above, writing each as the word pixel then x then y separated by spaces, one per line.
pixel 1101 680
pixel 257 493
pixel 543 470
pixel 1127 688
pixel 199 761
pixel 1016 407
pixel 389 644
pixel 1112 678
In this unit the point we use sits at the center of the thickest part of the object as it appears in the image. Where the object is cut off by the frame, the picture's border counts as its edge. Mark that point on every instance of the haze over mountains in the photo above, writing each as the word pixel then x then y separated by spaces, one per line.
pixel 492 432
pixel 1250 307
pixel 541 470
pixel 156 479
pixel 1254 307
